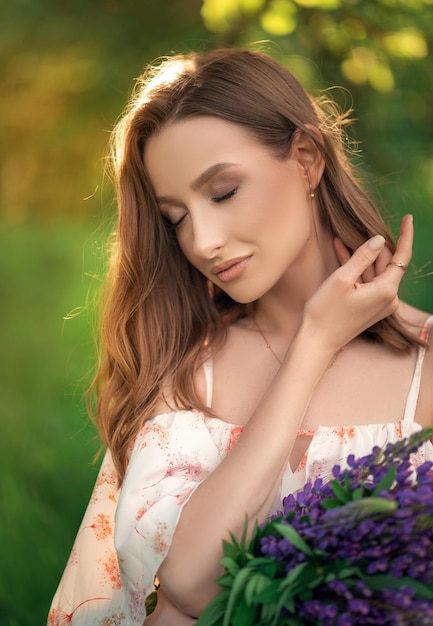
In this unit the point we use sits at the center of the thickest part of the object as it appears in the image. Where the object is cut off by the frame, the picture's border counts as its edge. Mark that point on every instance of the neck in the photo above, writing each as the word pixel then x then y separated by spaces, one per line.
pixel 280 310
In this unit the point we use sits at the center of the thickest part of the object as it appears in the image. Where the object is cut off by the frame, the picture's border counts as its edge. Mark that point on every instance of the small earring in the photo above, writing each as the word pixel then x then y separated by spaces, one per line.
pixel 312 194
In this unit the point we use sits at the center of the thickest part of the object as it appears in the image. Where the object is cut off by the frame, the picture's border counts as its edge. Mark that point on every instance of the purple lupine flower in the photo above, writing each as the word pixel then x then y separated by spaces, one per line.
pixel 384 542
pixel 357 550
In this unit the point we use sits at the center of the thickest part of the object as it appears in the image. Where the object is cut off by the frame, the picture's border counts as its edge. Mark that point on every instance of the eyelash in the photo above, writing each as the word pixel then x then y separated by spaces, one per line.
pixel 217 199
pixel 173 225
pixel 226 196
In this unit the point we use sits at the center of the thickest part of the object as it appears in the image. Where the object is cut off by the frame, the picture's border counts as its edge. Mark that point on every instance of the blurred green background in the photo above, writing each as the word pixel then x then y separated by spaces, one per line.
pixel 65 72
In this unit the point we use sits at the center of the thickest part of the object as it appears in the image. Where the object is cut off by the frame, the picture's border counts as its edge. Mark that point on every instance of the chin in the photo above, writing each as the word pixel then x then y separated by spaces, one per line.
pixel 244 298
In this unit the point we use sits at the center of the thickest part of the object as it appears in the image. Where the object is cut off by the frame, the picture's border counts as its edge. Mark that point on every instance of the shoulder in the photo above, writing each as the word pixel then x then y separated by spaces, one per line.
pixel 168 401
pixel 420 323
pixel 412 318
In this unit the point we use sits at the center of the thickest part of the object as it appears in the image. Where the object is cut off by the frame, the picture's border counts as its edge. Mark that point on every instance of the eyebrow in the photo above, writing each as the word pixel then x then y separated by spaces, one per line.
pixel 201 180
pixel 209 173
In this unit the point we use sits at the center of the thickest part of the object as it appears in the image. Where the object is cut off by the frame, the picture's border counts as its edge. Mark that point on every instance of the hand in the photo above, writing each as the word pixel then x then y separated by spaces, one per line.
pixel 344 305
pixel 377 268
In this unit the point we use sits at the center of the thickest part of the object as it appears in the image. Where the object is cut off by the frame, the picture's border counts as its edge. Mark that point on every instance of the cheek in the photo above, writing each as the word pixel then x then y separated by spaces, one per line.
pixel 186 248
pixel 284 206
pixel 185 243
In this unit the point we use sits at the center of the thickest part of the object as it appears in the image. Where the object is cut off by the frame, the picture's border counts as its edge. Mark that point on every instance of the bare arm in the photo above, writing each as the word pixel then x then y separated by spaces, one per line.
pixel 246 480
pixel 166 614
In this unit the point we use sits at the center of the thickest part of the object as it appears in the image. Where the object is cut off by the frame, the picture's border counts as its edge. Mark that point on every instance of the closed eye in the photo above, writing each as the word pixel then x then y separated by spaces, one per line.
pixel 173 225
pixel 225 196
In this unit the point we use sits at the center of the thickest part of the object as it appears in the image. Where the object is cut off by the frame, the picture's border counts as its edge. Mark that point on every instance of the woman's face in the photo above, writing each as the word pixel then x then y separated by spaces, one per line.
pixel 242 217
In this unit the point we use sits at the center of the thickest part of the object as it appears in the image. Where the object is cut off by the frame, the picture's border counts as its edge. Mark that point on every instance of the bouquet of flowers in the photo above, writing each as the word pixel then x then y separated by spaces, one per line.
pixel 356 550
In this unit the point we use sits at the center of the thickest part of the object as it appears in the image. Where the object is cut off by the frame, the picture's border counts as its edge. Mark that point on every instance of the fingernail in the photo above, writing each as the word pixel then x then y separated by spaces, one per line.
pixel 377 242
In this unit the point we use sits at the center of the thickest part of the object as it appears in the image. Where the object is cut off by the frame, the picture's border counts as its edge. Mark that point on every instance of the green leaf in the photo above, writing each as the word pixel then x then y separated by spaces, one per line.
pixel 230 565
pixel 261 561
pixel 386 482
pixel 225 581
pixel 293 575
pixel 268 612
pixel 346 572
pixel 316 580
pixel 231 550
pixel 292 621
pixel 347 482
pixel 424 521
pixel 289 603
pixel 289 533
pixel 239 583
pixel 371 506
pixel 245 615
pixel 341 493
pixel 238 548
pixel 304 595
pixel 269 568
pixel 358 494
pixel 382 581
pixel 251 588
pixel 330 503
pixel 285 596
pixel 255 586
pixel 341 569
pixel 286 601
pixel 268 594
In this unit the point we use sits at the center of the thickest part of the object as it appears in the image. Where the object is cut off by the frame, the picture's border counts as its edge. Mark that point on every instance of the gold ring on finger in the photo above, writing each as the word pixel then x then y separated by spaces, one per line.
pixel 398 264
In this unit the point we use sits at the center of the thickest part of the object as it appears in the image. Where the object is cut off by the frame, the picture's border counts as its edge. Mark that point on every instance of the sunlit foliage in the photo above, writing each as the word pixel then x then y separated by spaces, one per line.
pixel 377 51
pixel 65 72
pixel 364 37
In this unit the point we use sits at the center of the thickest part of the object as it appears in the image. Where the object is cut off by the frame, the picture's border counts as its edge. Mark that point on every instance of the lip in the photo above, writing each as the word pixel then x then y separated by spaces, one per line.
pixel 232 269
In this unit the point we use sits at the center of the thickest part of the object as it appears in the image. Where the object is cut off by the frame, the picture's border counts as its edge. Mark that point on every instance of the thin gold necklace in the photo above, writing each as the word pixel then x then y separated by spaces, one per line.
pixel 268 345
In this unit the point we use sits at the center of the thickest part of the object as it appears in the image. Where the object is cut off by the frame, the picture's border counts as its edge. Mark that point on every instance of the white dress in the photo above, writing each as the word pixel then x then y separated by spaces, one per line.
pixel 126 534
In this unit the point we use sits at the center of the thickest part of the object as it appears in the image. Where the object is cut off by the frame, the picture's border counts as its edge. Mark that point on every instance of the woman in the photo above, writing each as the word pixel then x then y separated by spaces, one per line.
pixel 251 307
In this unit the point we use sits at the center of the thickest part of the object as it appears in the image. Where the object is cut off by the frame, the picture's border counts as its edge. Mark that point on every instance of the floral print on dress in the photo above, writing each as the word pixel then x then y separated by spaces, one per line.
pixel 172 455
pixel 331 445
pixel 90 591
pixel 235 433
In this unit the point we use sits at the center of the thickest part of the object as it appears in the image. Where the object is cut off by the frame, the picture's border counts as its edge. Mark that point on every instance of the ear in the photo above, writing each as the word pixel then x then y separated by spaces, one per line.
pixel 306 151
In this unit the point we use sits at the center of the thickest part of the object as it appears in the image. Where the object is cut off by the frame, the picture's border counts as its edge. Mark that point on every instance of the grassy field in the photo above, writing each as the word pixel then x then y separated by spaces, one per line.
pixel 47 442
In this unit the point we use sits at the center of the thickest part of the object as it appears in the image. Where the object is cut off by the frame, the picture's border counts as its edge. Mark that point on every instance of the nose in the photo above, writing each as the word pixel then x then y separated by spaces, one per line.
pixel 208 234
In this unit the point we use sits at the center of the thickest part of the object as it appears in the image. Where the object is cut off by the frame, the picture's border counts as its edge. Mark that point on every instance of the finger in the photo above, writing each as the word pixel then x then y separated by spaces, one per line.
pixel 343 254
pixel 396 267
pixel 403 252
pixel 379 266
pixel 382 260
pixel 363 257
pixel 369 274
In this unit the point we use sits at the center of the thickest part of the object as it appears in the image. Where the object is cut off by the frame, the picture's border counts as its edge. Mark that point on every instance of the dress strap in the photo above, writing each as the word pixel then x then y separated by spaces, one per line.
pixel 412 397
pixel 208 374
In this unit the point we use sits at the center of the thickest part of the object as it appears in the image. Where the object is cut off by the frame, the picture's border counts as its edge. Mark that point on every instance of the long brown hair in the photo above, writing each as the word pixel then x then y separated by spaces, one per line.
pixel 159 311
